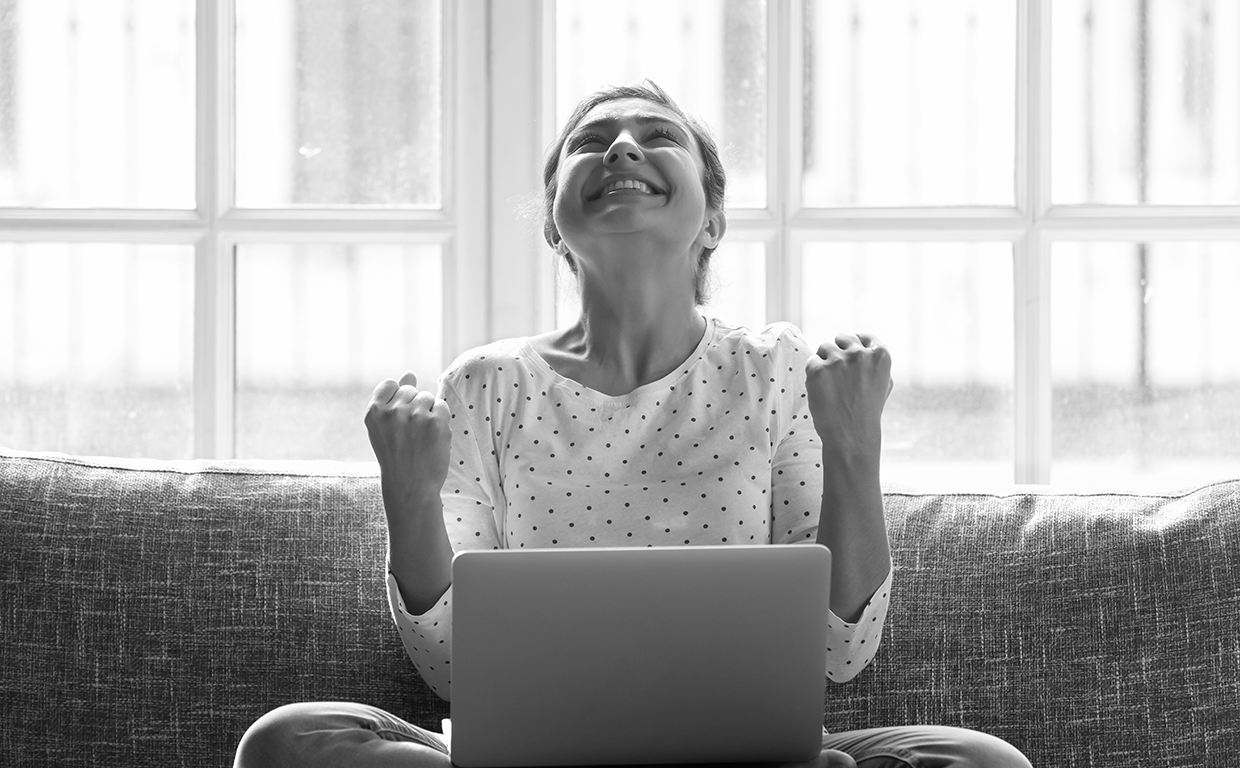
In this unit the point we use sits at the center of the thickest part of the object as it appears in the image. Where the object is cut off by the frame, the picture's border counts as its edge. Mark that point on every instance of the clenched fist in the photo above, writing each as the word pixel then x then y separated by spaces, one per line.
pixel 411 437
pixel 847 384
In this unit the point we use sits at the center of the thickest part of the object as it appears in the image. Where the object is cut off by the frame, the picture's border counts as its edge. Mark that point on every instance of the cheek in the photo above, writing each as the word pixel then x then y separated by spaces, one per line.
pixel 558 204
pixel 566 188
pixel 695 190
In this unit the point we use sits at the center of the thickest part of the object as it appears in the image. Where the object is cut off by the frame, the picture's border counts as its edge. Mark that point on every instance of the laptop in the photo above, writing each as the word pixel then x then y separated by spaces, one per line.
pixel 638 655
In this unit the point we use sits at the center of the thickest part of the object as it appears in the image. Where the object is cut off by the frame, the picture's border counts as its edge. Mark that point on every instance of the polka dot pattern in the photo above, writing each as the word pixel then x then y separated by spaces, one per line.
pixel 722 450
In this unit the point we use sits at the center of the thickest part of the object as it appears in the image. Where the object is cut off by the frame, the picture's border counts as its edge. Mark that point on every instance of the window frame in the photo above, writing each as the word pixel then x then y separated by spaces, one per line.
pixel 500 278
pixel 216 225
pixel 1032 226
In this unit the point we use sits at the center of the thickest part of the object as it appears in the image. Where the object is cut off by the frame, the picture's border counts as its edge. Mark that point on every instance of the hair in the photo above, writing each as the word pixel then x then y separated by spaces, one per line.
pixel 714 179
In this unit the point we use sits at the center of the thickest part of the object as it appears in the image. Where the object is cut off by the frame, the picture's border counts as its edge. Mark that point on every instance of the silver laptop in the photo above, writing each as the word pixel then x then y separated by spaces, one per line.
pixel 638 655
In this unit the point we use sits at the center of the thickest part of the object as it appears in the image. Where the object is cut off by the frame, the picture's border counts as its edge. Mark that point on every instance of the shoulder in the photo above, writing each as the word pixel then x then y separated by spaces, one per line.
pixel 780 341
pixel 486 364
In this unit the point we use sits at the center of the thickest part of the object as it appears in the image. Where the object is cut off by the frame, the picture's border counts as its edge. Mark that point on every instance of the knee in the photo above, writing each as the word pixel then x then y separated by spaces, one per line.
pixel 986 751
pixel 270 740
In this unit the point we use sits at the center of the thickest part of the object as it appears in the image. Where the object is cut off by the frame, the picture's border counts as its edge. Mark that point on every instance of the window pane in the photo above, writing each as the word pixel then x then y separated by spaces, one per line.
pixel 737 285
pixel 1144 106
pixel 945 312
pixel 97 103
pixel 339 103
pixel 318 327
pixel 709 56
pixel 1146 377
pixel 909 102
pixel 96 348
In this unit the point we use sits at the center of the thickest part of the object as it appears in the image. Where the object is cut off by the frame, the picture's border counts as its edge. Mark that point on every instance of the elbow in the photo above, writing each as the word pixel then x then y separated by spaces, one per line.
pixel 850 669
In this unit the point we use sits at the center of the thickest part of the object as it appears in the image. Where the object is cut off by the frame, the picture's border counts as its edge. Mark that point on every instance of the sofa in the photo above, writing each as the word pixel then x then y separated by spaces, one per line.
pixel 153 609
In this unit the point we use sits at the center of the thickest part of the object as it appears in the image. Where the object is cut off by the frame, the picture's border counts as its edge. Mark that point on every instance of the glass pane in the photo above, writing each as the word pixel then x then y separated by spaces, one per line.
pixel 709 56
pixel 909 102
pixel 1146 378
pixel 318 327
pixel 1144 106
pixel 945 312
pixel 339 103
pixel 97 349
pixel 97 103
pixel 737 285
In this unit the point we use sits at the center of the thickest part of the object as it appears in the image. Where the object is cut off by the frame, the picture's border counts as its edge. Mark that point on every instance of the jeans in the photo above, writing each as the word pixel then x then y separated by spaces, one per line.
pixel 322 734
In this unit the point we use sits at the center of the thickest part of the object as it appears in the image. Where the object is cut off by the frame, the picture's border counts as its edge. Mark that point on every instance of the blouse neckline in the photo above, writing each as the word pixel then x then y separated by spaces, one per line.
pixel 659 385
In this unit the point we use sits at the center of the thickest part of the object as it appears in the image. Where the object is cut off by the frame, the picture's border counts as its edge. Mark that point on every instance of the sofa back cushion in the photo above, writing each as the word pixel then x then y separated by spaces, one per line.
pixel 1087 629
pixel 153 610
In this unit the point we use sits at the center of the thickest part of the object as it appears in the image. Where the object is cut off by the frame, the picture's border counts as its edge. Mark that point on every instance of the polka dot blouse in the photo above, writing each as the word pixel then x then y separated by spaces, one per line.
pixel 722 450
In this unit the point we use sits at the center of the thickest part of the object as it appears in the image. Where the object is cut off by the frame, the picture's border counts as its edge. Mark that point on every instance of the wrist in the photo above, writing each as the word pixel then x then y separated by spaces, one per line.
pixel 854 454
pixel 407 502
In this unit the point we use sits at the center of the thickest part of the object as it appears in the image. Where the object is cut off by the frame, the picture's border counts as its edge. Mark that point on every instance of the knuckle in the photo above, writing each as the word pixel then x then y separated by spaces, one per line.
pixel 376 410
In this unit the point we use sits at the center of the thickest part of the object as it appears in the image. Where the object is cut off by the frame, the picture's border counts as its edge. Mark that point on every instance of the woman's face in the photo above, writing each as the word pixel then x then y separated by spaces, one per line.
pixel 630 166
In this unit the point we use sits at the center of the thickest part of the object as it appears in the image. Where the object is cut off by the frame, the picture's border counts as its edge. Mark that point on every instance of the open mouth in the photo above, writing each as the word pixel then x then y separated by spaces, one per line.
pixel 627 186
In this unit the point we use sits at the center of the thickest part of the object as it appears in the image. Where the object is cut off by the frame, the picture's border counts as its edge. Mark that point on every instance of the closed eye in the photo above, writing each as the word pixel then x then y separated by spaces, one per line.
pixel 659 132
pixel 584 139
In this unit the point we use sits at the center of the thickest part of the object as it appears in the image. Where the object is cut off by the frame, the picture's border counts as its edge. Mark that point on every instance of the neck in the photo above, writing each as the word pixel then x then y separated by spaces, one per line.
pixel 633 331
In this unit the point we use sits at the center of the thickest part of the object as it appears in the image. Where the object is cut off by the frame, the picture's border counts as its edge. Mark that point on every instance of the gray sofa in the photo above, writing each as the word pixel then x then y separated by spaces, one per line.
pixel 152 610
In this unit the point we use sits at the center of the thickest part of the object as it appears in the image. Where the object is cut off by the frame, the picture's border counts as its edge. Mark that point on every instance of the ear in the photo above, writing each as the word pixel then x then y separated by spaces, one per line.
pixel 552 236
pixel 713 229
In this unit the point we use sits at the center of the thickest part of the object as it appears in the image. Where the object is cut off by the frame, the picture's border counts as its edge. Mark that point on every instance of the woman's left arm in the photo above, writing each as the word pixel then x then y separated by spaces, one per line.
pixel 847 384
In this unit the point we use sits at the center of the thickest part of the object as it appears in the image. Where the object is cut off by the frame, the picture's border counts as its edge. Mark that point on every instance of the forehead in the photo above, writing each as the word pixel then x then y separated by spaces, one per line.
pixel 631 110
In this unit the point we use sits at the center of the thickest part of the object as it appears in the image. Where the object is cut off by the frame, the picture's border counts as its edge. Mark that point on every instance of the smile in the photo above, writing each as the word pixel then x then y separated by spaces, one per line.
pixel 628 185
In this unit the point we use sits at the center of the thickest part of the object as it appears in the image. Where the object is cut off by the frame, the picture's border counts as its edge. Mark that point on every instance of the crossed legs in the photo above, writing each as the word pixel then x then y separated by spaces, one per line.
pixel 323 734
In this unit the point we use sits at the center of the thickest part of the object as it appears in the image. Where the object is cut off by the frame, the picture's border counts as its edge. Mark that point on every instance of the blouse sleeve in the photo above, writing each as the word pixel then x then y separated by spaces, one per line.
pixel 796 498
pixel 472 506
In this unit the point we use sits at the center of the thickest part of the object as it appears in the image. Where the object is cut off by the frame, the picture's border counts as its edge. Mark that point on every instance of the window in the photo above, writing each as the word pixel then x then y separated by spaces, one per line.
pixel 1029 201
pixel 1036 203
pixel 225 222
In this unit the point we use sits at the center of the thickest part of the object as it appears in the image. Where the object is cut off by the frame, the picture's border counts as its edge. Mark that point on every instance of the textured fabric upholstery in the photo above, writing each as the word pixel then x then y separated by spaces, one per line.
pixel 152 610
pixel 1088 630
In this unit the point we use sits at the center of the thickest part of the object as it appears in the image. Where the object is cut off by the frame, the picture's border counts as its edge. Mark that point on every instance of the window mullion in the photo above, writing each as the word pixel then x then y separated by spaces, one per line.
pixel 519 278
pixel 784 150
pixel 214 289
pixel 1032 381
pixel 1032 375
pixel 466 320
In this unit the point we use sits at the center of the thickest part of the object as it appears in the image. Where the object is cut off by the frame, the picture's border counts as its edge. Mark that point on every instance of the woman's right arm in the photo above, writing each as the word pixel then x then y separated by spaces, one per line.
pixel 411 436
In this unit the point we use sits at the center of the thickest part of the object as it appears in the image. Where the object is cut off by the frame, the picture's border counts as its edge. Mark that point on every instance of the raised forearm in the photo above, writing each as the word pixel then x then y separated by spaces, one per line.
pixel 410 431
pixel 852 526
pixel 419 552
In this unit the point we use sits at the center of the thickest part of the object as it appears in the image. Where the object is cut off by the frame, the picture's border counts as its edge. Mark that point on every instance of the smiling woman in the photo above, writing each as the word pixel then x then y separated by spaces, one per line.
pixel 705 433
pixel 660 125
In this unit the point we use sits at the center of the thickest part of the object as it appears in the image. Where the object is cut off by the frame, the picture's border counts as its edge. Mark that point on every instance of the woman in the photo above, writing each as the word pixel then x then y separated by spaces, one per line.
pixel 717 434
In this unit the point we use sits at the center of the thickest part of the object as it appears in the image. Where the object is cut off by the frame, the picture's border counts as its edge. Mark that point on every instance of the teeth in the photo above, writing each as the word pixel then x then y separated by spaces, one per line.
pixel 628 184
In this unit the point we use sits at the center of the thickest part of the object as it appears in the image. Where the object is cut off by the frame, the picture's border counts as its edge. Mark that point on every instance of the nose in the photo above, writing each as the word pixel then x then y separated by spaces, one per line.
pixel 624 147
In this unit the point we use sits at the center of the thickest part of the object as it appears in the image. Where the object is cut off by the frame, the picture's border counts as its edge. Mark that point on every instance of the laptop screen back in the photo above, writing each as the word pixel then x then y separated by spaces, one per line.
pixel 651 655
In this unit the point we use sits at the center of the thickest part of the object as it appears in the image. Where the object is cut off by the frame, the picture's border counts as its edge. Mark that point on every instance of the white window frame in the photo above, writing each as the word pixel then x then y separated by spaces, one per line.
pixel 1032 225
pixel 499 278
pixel 216 226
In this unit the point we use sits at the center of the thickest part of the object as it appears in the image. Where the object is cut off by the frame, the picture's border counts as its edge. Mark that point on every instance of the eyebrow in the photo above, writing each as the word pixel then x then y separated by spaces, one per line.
pixel 643 119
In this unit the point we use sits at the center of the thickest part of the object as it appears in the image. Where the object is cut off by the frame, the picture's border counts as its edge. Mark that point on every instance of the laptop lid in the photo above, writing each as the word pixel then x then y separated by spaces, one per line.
pixel 638 655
